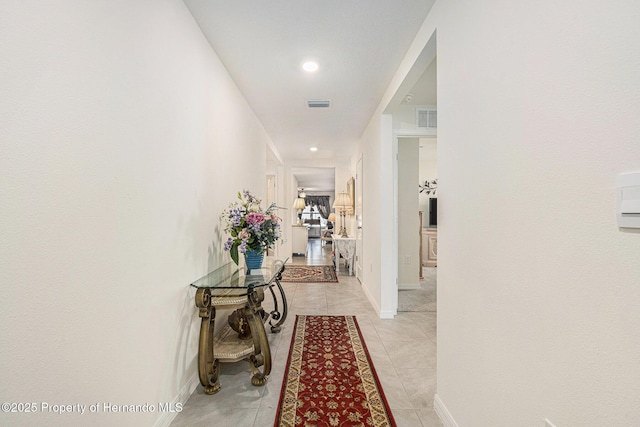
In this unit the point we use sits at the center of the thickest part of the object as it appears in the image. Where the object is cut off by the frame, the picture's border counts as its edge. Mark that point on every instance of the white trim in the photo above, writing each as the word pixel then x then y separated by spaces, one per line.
pixel 388 261
pixel 388 314
pixel 443 413
pixel 372 300
pixel 398 134
pixel 167 417
pixel 359 224
pixel 408 286
pixel 414 133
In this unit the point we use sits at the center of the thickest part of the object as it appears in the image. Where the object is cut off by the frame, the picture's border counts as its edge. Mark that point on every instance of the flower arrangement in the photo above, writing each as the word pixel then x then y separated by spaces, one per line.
pixel 250 228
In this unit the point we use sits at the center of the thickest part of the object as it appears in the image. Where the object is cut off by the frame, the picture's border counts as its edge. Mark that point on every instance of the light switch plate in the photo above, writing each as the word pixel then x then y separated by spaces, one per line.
pixel 628 200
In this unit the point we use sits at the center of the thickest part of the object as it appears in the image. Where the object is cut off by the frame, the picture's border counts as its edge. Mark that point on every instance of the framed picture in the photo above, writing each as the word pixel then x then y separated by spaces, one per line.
pixel 351 188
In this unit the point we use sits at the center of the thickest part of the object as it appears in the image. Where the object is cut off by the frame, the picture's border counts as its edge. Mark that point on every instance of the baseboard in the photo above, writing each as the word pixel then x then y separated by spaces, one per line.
pixel 443 413
pixel 167 417
pixel 370 298
pixel 388 314
pixel 408 286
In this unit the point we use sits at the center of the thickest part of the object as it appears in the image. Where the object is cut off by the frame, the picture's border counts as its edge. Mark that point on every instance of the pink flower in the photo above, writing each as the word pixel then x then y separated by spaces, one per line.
pixel 274 217
pixel 255 218
pixel 244 234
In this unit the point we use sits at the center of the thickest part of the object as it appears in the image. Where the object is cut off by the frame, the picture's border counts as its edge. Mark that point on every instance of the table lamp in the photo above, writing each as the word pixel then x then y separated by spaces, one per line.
pixel 299 205
pixel 332 218
pixel 343 201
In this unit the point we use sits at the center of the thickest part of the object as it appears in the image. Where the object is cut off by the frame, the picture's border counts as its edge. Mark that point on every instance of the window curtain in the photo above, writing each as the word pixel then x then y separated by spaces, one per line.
pixel 322 202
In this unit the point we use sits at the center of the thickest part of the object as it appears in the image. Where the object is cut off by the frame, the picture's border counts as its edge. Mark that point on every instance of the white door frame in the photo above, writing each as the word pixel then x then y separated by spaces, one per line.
pixel 358 217
pixel 397 135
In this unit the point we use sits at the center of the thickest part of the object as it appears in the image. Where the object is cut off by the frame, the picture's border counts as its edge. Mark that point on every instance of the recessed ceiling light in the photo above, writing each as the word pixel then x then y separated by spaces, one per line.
pixel 313 148
pixel 310 66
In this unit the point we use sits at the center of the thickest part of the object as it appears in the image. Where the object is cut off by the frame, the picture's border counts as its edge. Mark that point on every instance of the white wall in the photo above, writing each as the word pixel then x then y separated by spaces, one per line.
pixel 122 139
pixel 538 290
pixel 379 267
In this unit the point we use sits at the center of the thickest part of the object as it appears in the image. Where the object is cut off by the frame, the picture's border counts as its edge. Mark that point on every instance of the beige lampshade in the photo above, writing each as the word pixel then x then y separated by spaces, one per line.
pixel 342 201
pixel 299 203
pixel 332 217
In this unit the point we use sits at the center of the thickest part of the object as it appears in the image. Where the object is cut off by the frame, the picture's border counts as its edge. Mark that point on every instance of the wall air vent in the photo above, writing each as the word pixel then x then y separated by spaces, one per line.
pixel 426 118
pixel 318 104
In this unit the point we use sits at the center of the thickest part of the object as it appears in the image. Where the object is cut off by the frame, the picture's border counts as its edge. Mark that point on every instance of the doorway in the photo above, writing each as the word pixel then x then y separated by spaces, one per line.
pixel 414 124
pixel 417 162
pixel 316 186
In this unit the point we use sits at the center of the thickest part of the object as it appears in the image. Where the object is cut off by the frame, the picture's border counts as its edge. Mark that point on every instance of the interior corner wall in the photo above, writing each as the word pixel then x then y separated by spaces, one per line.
pixel 123 138
pixel 379 269
pixel 538 289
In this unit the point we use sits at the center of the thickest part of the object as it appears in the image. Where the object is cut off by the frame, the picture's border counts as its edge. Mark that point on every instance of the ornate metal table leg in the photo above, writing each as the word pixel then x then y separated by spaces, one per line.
pixel 208 367
pixel 261 356
pixel 275 314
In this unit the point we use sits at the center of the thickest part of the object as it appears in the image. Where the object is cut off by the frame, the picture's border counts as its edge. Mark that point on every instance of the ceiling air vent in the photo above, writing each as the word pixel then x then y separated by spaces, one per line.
pixel 318 104
pixel 426 118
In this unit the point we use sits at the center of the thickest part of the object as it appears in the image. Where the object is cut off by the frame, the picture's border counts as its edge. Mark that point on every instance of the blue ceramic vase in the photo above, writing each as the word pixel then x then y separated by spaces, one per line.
pixel 253 260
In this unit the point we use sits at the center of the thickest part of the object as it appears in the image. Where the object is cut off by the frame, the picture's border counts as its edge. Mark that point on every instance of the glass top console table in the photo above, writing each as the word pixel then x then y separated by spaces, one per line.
pixel 244 337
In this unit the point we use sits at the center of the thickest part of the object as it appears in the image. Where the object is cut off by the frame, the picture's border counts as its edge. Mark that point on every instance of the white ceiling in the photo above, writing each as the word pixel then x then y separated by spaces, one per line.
pixel 358 45
pixel 315 179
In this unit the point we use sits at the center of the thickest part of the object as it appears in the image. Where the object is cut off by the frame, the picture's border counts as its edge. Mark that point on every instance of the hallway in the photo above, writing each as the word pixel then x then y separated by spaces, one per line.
pixel 317 254
pixel 403 351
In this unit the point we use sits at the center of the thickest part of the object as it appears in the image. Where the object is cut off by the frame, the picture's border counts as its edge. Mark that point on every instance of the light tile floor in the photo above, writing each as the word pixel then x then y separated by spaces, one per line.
pixel 403 350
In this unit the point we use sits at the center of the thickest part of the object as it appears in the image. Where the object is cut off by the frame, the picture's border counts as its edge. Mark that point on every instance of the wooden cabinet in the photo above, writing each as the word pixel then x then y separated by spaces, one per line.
pixel 430 247
pixel 299 237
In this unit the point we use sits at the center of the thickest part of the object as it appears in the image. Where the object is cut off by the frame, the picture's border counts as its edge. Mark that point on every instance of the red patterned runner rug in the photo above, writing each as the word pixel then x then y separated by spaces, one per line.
pixel 309 274
pixel 330 379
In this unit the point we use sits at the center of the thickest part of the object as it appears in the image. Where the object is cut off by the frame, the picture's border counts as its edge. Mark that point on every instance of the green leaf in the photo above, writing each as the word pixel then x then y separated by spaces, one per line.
pixel 234 253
